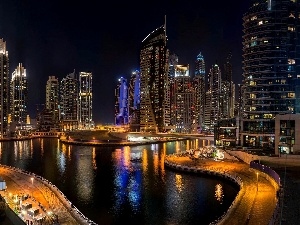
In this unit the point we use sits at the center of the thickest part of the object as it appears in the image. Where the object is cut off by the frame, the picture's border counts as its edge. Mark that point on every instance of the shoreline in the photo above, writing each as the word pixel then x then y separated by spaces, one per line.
pixel 246 208
pixel 42 194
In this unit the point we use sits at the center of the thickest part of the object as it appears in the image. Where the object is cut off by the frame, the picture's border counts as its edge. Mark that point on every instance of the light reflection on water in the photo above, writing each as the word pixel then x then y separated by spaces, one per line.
pixel 109 188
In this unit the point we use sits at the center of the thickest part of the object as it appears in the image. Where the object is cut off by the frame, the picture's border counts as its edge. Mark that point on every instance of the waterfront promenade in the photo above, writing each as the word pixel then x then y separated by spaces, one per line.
pixel 28 189
pixel 257 198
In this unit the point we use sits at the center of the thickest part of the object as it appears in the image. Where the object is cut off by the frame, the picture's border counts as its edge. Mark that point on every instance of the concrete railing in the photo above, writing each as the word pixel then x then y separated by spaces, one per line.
pixel 77 215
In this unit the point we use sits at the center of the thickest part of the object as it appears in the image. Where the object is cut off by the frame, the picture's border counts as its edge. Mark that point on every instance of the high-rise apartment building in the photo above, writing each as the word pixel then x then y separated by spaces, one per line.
pixel 212 108
pixel 85 101
pixel 199 89
pixel 183 99
pixel 154 80
pixel 69 98
pixel 52 98
pixel 271 68
pixel 4 88
pixel 173 62
pixel 19 98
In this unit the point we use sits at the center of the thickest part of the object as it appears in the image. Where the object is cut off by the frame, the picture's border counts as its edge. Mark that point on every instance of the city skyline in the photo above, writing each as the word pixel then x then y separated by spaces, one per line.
pixel 53 39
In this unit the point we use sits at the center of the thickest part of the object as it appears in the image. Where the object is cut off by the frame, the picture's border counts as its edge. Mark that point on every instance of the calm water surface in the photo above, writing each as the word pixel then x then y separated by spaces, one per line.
pixel 108 188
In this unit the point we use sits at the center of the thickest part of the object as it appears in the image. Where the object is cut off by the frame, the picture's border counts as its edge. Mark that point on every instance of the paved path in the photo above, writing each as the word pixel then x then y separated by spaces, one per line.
pixel 40 196
pixel 252 205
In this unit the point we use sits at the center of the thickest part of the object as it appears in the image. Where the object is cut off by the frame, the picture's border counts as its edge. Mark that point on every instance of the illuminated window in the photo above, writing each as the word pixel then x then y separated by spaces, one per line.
pixel 291 29
pixel 291 61
pixel 260 22
pixel 291 95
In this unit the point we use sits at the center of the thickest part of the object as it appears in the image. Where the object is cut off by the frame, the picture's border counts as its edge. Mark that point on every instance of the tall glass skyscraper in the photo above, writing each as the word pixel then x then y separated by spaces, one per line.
pixel 154 77
pixel 19 97
pixel 86 100
pixel 199 88
pixel 271 60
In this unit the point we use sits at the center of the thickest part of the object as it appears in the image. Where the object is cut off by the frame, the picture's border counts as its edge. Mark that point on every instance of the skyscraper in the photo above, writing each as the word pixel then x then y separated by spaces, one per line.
pixel 4 88
pixel 19 97
pixel 199 88
pixel 154 74
pixel 183 99
pixel 134 101
pixel 212 108
pixel 86 100
pixel 52 98
pixel 271 65
pixel 69 99
pixel 121 106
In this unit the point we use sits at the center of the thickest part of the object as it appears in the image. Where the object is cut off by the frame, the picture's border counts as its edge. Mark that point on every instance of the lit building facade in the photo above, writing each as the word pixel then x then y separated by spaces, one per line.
pixel 121 103
pixel 85 101
pixel 154 74
pixel 19 98
pixel 52 99
pixel 199 89
pixel 270 69
pixel 287 134
pixel 173 63
pixel 212 109
pixel 184 96
pixel 134 101
pixel 69 102
pixel 4 88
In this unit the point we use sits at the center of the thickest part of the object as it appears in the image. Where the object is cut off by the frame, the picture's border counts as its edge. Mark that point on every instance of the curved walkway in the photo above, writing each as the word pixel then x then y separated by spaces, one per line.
pixel 256 200
pixel 42 195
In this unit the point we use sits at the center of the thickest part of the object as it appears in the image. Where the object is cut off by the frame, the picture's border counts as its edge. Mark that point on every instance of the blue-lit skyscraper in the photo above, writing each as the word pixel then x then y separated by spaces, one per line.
pixel 134 100
pixel 121 107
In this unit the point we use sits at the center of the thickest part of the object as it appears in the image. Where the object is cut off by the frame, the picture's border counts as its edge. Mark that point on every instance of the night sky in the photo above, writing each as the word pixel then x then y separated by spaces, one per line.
pixel 54 38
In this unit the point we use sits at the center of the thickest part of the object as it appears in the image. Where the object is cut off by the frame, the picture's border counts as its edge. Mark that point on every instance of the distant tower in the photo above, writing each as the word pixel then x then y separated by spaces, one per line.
pixel 52 98
pixel 121 106
pixel 173 63
pixel 212 108
pixel 85 101
pixel 134 101
pixel 4 88
pixel 68 103
pixel 19 97
pixel 228 89
pixel 199 89
pixel 183 99
pixel 154 74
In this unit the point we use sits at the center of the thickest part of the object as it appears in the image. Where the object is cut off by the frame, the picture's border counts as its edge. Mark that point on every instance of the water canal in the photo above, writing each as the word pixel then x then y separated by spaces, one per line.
pixel 110 189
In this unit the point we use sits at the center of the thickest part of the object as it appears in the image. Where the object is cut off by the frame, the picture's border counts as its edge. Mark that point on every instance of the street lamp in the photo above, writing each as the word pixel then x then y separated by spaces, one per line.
pixel 257 181
pixel 32 185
